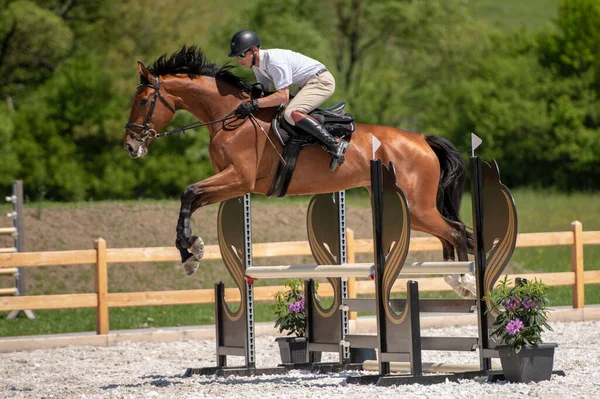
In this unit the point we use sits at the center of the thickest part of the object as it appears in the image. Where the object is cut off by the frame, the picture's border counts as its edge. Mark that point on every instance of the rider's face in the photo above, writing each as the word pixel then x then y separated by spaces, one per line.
pixel 245 58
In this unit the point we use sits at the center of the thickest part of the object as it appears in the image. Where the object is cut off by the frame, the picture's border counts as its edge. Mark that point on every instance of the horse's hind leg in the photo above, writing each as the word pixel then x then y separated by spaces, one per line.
pixel 467 281
pixel 456 281
pixel 452 236
pixel 447 250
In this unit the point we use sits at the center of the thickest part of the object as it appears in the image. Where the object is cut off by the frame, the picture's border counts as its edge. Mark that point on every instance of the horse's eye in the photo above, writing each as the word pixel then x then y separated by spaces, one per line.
pixel 143 101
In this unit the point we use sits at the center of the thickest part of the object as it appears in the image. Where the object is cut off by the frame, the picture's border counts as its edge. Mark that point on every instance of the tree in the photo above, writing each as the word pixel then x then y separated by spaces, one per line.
pixel 575 47
pixel 33 41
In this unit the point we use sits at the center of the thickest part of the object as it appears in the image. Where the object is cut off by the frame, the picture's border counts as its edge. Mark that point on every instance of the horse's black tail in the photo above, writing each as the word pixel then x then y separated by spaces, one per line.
pixel 452 181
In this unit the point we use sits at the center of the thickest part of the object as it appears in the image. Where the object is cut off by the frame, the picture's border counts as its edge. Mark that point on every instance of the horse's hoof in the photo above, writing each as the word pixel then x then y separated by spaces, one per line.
pixel 467 282
pixel 197 248
pixel 466 294
pixel 191 265
pixel 454 281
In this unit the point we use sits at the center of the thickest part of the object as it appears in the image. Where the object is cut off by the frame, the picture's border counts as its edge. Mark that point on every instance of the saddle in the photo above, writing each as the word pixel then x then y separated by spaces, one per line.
pixel 337 122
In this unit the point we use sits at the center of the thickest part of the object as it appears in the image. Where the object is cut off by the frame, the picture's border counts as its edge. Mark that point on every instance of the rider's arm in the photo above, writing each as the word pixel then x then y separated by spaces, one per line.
pixel 279 97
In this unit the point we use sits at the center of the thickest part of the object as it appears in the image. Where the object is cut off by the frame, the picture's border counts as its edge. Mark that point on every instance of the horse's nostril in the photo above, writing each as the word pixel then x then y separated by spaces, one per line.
pixel 129 148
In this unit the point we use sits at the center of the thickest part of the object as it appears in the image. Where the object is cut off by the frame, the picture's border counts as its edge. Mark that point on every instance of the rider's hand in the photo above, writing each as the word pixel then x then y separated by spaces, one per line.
pixel 246 108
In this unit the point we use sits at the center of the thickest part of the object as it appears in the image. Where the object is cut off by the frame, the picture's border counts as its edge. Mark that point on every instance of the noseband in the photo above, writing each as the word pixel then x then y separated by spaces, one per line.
pixel 146 132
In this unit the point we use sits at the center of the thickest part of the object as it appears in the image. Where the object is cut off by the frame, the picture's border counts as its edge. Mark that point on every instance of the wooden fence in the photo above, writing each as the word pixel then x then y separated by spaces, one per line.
pixel 101 256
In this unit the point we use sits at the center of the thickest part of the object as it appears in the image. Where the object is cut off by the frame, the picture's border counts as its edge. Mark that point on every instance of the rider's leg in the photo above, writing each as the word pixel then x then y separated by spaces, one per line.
pixel 337 148
pixel 314 93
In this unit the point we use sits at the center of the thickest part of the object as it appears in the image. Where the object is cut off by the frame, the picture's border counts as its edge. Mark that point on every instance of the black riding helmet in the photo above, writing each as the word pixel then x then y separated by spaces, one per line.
pixel 242 41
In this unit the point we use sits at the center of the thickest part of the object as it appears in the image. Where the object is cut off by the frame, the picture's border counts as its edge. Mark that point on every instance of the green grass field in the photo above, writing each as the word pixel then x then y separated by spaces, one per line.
pixel 538 211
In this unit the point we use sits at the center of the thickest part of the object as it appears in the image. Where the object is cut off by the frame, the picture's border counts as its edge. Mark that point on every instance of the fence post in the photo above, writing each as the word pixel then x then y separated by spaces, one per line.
pixel 577 265
pixel 102 319
pixel 350 249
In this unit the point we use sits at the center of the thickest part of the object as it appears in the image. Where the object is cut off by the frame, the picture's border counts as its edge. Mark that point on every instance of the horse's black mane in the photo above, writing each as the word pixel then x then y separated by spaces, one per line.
pixel 192 62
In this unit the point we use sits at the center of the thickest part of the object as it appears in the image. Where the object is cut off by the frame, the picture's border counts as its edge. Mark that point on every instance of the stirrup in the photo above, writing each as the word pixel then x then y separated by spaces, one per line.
pixel 338 160
pixel 335 162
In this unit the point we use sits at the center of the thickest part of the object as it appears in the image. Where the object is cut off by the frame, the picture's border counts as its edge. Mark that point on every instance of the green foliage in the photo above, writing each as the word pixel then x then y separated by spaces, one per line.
pixel 542 128
pixel 67 131
pixel 575 47
pixel 289 309
pixel 9 161
pixel 444 67
pixel 75 147
pixel 34 41
pixel 522 313
pixel 516 14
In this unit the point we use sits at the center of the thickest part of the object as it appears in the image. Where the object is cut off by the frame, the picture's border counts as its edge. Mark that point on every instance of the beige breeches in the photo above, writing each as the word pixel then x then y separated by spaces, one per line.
pixel 317 90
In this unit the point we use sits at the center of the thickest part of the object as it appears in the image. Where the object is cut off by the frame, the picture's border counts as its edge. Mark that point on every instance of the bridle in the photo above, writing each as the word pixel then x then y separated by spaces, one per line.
pixel 147 133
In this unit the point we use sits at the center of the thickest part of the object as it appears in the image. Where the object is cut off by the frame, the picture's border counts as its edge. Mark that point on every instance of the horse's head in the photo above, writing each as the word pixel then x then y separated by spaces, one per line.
pixel 148 115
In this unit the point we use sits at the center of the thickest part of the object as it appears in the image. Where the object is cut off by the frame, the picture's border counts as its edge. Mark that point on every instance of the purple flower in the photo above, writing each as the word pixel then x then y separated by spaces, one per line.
pixel 301 305
pixel 296 307
pixel 514 326
pixel 515 303
pixel 528 303
pixel 511 304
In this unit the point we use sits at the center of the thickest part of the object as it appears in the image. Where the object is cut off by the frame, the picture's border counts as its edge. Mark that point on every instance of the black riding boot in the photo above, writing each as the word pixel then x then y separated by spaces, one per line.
pixel 336 148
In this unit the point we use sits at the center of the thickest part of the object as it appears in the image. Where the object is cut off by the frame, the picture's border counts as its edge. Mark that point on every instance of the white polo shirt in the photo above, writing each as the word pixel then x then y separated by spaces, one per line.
pixel 285 68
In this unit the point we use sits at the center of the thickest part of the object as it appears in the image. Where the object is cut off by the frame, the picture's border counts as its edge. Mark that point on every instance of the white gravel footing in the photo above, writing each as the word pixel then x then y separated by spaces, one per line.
pixel 155 370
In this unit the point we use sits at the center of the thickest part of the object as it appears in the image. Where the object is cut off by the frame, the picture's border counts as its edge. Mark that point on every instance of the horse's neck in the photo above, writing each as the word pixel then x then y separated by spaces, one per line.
pixel 201 98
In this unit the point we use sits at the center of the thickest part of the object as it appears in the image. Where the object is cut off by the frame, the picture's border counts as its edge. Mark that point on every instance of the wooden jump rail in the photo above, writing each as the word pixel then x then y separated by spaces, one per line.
pixel 102 256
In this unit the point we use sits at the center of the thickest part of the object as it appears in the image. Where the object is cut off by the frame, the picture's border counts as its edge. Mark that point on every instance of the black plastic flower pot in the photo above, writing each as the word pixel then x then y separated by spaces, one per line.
pixel 531 364
pixel 293 350
pixel 359 355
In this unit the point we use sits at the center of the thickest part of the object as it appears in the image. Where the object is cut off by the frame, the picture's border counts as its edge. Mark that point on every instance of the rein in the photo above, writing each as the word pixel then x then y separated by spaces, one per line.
pixel 147 133
pixel 195 125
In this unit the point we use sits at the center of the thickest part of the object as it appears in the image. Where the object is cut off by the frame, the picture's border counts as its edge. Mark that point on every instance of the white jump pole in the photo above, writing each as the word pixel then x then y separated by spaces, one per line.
pixel 355 270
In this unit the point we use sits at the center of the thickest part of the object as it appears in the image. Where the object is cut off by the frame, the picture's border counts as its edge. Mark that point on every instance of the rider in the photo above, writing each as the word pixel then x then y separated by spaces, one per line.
pixel 285 68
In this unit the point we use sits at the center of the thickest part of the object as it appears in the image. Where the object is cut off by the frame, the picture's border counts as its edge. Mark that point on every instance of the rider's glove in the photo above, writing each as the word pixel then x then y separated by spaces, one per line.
pixel 246 108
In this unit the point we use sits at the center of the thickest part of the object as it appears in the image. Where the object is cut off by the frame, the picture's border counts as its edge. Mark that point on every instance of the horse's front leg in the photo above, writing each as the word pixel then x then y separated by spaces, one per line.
pixel 220 187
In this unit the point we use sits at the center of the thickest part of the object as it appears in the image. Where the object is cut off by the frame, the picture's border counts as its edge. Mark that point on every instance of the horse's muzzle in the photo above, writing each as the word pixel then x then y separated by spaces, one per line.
pixel 130 150
pixel 135 149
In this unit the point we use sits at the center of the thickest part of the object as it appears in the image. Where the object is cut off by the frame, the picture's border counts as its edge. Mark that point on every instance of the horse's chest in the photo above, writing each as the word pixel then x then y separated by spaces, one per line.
pixel 221 153
pixel 232 148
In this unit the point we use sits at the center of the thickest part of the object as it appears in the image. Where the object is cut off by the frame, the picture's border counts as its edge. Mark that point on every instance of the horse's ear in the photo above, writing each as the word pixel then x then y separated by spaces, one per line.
pixel 143 71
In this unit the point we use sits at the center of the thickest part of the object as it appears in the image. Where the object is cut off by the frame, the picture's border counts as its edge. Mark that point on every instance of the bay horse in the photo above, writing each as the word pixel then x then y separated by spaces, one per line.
pixel 429 169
